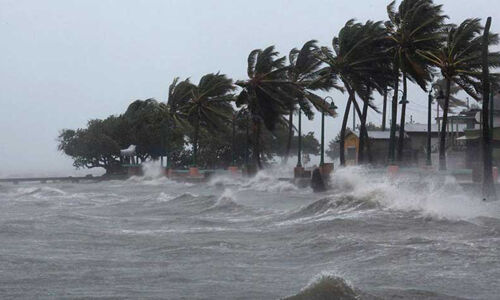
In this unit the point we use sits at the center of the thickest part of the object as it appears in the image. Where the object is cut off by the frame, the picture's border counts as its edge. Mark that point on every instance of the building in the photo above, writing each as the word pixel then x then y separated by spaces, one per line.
pixel 379 146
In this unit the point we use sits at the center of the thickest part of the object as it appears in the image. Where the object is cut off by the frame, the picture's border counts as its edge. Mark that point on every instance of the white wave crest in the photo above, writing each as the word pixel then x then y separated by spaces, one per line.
pixel 433 195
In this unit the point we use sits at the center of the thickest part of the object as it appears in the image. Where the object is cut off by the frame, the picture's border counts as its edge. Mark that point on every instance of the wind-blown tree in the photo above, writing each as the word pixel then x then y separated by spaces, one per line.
pixel 415 25
pixel 209 106
pixel 145 118
pixel 96 146
pixel 179 93
pixel 359 61
pixel 439 86
pixel 267 93
pixel 305 70
pixel 460 61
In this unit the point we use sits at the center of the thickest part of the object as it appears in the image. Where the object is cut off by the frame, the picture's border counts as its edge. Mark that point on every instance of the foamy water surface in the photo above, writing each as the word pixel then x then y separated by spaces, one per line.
pixel 371 237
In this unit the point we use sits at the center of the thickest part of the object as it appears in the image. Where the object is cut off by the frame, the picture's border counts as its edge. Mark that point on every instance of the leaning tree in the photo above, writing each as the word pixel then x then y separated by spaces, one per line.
pixel 306 71
pixel 267 93
pixel 209 106
pixel 415 25
pixel 360 63
pixel 459 60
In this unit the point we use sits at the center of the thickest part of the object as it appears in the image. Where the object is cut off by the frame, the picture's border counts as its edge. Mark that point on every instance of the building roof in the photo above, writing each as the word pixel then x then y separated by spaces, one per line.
pixel 377 135
pixel 422 128
pixel 416 127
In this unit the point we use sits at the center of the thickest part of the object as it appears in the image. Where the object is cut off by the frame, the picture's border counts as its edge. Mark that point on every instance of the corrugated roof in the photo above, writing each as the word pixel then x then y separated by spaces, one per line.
pixel 377 135
pixel 417 127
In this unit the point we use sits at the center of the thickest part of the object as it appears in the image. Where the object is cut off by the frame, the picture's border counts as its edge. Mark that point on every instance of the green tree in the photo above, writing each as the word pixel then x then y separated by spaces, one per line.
pixel 359 60
pixel 305 70
pixel 267 93
pixel 93 147
pixel 459 60
pixel 209 106
pixel 146 130
pixel 415 25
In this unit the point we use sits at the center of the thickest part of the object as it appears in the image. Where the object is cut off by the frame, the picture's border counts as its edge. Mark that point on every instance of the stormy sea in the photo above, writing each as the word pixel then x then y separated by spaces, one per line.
pixel 369 237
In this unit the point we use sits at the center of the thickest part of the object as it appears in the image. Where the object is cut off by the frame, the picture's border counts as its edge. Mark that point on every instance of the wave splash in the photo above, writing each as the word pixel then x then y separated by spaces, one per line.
pixel 434 196
pixel 326 287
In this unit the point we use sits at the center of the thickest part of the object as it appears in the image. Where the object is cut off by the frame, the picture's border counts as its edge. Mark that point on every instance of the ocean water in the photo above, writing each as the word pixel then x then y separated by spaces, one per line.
pixel 370 237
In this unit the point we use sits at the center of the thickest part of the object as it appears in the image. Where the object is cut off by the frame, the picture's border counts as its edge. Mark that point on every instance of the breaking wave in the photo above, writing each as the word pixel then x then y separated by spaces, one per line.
pixel 433 196
pixel 326 287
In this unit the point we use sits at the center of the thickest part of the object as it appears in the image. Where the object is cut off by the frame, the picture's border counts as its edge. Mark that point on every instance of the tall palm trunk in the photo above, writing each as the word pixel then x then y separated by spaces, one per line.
pixel 256 143
pixel 363 134
pixel 403 120
pixel 394 116
pixel 195 140
pixel 384 109
pixel 488 184
pixel 343 130
pixel 442 134
pixel 290 135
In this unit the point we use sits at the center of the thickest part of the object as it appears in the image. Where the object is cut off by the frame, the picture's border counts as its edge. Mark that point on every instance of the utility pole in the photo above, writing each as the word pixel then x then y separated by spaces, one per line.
pixel 489 192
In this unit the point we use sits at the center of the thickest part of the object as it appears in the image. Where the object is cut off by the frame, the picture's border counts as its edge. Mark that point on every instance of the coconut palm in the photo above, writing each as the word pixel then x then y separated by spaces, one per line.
pixel 454 103
pixel 359 63
pixel 305 70
pixel 209 105
pixel 415 25
pixel 267 93
pixel 459 60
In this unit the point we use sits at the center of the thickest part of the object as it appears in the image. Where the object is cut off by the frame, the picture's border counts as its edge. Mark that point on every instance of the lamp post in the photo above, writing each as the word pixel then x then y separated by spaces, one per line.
pixel 429 133
pixel 332 106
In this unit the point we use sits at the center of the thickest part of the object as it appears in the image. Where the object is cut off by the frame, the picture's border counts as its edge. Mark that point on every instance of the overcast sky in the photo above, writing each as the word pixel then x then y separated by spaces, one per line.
pixel 65 62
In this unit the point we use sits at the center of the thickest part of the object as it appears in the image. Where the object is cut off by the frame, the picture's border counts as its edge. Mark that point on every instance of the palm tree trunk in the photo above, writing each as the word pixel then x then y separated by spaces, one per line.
pixel 384 109
pixel 403 120
pixel 394 116
pixel 343 130
pixel 442 135
pixel 290 135
pixel 488 184
pixel 363 134
pixel 195 141
pixel 256 144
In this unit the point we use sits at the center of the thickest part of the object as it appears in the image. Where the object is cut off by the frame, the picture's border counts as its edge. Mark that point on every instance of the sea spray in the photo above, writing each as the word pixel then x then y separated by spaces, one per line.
pixel 434 195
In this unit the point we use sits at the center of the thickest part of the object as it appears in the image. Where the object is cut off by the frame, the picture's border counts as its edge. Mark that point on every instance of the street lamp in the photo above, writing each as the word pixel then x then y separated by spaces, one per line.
pixel 439 98
pixel 403 100
pixel 332 106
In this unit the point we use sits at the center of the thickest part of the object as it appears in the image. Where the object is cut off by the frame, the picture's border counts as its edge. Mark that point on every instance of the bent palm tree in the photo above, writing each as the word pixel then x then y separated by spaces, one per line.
pixel 359 63
pixel 305 70
pixel 416 25
pixel 267 93
pixel 209 105
pixel 460 62
pixel 454 102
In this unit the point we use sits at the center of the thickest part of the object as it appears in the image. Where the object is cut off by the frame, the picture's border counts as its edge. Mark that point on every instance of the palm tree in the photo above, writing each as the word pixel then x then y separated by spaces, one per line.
pixel 416 25
pixel 267 93
pixel 459 60
pixel 305 70
pixel 209 105
pixel 454 103
pixel 356 60
pixel 179 93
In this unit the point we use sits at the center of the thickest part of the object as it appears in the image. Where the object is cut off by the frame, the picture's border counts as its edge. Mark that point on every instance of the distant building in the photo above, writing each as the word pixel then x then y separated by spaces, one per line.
pixel 379 146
